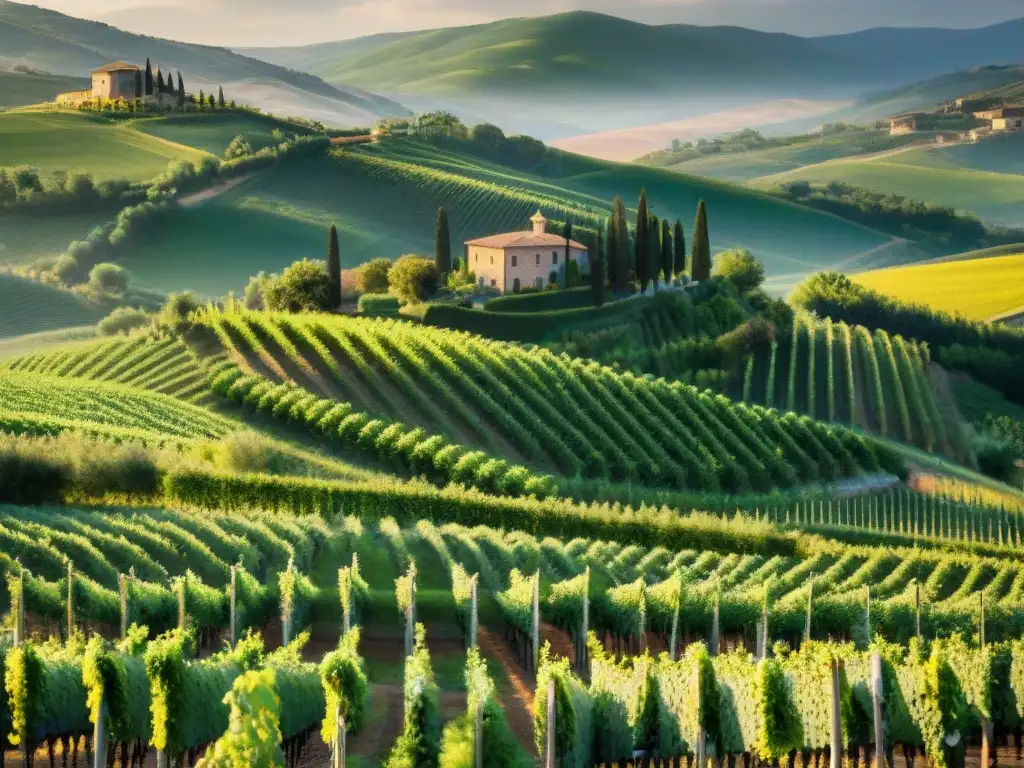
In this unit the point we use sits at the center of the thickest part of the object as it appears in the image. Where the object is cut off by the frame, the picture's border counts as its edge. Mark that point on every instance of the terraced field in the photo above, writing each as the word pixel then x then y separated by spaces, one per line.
pixel 978 289
pixel 384 200
pixel 66 141
pixel 166 366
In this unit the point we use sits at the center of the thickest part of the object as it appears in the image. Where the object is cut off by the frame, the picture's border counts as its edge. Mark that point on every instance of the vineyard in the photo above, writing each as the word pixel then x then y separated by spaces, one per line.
pixel 556 414
pixel 93 570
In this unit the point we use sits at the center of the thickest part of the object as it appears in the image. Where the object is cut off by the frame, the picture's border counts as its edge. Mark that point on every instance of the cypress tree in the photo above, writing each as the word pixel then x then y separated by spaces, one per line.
pixel 621 253
pixel 442 244
pixel 680 248
pixel 667 260
pixel 213 101
pixel 567 234
pixel 609 251
pixel 202 99
pixel 597 272
pixel 139 85
pixel 653 249
pixel 149 78
pixel 700 260
pixel 159 81
pixel 334 267
pixel 220 97
pixel 640 255
pixel 181 90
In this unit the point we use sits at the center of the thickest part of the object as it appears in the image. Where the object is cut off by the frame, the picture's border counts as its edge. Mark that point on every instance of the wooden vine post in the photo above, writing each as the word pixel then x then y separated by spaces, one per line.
pixel 713 646
pixel 338 759
pixel 986 724
pixel 99 736
pixel 122 588
pixel 234 607
pixel 179 587
pixel 762 648
pixel 673 642
pixel 19 617
pixel 535 635
pixel 581 652
pixel 71 600
pixel 478 738
pixel 877 697
pixel 867 613
pixel 473 607
pixel 549 750
pixel 810 607
pixel 410 613
pixel 836 752
pixel 917 609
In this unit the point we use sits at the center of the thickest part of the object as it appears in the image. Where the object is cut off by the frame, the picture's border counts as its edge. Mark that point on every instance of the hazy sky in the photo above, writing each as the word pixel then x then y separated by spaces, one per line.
pixel 294 22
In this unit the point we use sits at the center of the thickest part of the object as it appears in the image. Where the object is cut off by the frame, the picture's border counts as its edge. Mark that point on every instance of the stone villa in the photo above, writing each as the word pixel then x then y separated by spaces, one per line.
pixel 515 260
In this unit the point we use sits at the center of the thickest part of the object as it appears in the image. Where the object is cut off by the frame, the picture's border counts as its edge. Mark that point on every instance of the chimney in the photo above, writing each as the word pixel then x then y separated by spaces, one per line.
pixel 539 223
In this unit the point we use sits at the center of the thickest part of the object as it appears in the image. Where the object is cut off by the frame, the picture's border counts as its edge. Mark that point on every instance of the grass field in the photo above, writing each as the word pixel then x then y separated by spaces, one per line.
pixel 943 179
pixel 978 288
pixel 23 239
pixel 65 141
pixel 384 200
pixel 18 90
pixel 30 307
pixel 213 132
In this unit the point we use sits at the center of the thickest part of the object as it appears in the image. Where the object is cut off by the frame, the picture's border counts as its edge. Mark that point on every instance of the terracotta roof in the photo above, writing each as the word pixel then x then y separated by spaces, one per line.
pixel 525 240
pixel 117 66
pixel 907 115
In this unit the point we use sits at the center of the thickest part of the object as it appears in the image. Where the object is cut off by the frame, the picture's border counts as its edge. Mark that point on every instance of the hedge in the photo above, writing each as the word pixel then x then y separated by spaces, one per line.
pixel 528 326
pixel 542 301
pixel 378 305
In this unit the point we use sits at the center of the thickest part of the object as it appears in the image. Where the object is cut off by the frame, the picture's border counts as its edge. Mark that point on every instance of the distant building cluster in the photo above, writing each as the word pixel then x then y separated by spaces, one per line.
pixel 952 121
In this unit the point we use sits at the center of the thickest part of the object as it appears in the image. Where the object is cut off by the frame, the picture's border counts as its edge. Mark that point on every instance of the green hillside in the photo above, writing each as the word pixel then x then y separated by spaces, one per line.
pixel 18 89
pixel 25 238
pixel 995 197
pixel 30 306
pixel 44 39
pixel 214 132
pixel 73 142
pixel 996 154
pixel 384 199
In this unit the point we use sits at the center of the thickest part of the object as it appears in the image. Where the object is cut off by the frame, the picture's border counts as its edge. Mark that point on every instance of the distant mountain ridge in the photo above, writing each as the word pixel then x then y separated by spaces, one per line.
pixel 582 51
pixel 66 45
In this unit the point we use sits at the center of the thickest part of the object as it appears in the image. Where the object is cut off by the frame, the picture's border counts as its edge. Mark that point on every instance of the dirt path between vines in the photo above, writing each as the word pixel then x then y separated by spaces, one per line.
pixel 517 699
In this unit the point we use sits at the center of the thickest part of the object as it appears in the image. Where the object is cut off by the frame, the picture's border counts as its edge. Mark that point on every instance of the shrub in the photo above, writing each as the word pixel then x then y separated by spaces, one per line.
pixel 372 277
pixel 254 289
pixel 413 279
pixel 305 286
pixel 740 268
pixel 108 279
pixel 378 304
pixel 239 147
pixel 176 314
pixel 122 320
pixel 68 270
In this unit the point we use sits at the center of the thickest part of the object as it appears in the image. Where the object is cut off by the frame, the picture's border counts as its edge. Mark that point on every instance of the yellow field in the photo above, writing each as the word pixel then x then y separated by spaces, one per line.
pixel 979 289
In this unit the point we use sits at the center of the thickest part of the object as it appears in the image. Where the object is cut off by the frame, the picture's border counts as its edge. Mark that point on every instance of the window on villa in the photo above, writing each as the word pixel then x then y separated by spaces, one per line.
pixel 515 284
pixel 494 283
pixel 514 258
pixel 476 258
pixel 492 258
pixel 554 257
pixel 540 280
pixel 538 258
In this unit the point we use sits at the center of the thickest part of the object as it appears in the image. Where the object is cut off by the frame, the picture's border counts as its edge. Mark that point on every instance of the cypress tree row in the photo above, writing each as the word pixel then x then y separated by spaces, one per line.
pixel 640 260
pixel 567 234
pixel 700 260
pixel 149 78
pixel 597 271
pixel 667 260
pixel 621 253
pixel 334 267
pixel 159 81
pixel 654 249
pixel 442 244
pixel 680 249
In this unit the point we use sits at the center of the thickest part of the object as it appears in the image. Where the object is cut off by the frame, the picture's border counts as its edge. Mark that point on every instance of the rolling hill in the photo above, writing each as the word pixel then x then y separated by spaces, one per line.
pixel 19 89
pixel 961 177
pixel 574 59
pixel 978 289
pixel 31 307
pixel 47 40
pixel 384 198
pixel 76 142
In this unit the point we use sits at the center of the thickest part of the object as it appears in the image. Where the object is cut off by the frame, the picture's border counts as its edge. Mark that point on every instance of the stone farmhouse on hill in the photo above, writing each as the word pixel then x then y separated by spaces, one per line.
pixel 515 260
pixel 117 80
